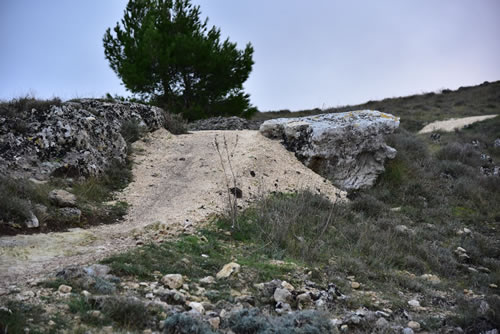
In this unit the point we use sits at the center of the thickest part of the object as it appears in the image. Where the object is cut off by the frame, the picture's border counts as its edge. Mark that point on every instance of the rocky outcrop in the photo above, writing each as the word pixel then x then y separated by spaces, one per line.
pixel 347 148
pixel 224 123
pixel 74 138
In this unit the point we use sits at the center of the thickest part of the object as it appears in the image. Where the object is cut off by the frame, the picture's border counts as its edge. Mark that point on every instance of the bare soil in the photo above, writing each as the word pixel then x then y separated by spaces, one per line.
pixel 178 183
pixel 453 123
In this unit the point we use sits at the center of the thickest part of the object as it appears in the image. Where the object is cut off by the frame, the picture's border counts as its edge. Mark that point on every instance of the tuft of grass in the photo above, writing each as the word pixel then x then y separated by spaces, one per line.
pixel 132 130
pixel 175 123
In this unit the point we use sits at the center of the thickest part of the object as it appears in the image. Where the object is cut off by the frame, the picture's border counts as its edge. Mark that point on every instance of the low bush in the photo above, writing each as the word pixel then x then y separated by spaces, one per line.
pixel 182 323
pixel 252 321
pixel 132 130
pixel 175 123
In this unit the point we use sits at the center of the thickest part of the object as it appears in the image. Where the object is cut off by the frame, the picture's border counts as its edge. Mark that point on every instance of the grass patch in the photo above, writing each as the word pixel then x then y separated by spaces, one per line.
pixel 16 316
pixel 124 312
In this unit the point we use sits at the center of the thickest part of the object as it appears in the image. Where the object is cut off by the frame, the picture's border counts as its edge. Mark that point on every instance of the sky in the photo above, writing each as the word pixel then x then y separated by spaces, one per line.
pixel 308 54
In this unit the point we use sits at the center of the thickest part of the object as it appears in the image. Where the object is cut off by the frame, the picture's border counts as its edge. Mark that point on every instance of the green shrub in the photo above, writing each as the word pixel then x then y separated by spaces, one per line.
pixel 175 123
pixel 252 321
pixel 182 323
pixel 132 130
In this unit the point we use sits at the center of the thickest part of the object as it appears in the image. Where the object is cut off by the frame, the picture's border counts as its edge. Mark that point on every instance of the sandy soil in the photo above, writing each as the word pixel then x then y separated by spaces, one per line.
pixel 453 123
pixel 178 183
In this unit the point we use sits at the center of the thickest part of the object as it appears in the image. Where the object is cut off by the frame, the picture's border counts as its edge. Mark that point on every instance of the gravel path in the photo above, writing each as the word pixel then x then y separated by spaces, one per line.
pixel 453 123
pixel 178 183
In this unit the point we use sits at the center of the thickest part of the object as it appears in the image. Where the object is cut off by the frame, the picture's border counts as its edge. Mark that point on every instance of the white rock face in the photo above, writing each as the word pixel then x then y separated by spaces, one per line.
pixel 347 148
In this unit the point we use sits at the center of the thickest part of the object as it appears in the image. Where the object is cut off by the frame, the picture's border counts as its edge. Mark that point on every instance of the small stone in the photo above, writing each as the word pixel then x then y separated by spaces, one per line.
pixel 51 323
pixel 344 328
pixel 467 231
pixel 355 285
pixel 381 323
pixel 460 250
pixel 147 331
pixel 433 279
pixel 95 313
pixel 304 300
pixel 32 222
pixel 173 281
pixel 408 331
pixel 493 286
pixel 413 325
pixel 214 322
pixel 484 270
pixel 414 303
pixel 62 198
pixel 207 280
pixel 288 286
pixel 86 294
pixel 472 270
pixel 463 256
pixel 228 270
pixel 64 288
pixel 198 307
pixel 282 296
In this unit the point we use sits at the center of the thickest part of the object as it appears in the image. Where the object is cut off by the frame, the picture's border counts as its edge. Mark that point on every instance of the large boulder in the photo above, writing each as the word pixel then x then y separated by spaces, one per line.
pixel 73 138
pixel 347 148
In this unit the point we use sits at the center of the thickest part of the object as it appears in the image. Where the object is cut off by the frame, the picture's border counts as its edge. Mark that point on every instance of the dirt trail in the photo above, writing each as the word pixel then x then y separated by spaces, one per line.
pixel 178 182
pixel 453 123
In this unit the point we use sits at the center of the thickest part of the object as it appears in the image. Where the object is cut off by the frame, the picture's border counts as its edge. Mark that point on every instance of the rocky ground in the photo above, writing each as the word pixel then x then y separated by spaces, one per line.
pixel 417 253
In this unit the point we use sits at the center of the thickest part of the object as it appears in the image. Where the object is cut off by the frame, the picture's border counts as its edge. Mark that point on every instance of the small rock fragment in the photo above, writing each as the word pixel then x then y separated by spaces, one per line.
pixel 214 322
pixel 198 307
pixel 62 198
pixel 228 270
pixel 282 296
pixel 414 325
pixel 64 288
pixel 207 280
pixel 173 281
pixel 414 303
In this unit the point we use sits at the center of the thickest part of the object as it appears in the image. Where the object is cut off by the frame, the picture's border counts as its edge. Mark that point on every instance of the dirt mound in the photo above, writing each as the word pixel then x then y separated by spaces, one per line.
pixel 178 182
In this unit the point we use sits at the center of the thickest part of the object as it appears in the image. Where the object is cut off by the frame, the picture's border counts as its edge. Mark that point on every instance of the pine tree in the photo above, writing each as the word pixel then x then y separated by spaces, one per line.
pixel 163 52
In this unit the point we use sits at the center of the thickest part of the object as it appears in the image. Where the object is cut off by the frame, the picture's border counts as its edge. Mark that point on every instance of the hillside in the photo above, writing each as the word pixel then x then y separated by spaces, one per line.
pixel 418 252
pixel 416 111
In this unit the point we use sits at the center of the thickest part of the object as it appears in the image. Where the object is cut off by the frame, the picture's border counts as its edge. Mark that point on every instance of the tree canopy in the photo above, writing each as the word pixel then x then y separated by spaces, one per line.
pixel 165 53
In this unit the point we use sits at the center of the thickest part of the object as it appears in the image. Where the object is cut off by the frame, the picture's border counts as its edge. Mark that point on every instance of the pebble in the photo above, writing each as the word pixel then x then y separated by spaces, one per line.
pixel 355 285
pixel 414 303
pixel 288 286
pixel 408 331
pixel 207 280
pixel 64 288
pixel 214 322
pixel 493 286
pixel 413 325
pixel 173 281
pixel 198 307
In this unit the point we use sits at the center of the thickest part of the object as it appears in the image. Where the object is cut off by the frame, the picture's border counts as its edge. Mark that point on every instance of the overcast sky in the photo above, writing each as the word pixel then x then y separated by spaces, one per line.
pixel 308 54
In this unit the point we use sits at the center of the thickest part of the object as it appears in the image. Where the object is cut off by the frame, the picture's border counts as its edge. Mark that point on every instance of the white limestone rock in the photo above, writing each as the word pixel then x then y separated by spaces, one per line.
pixel 347 148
